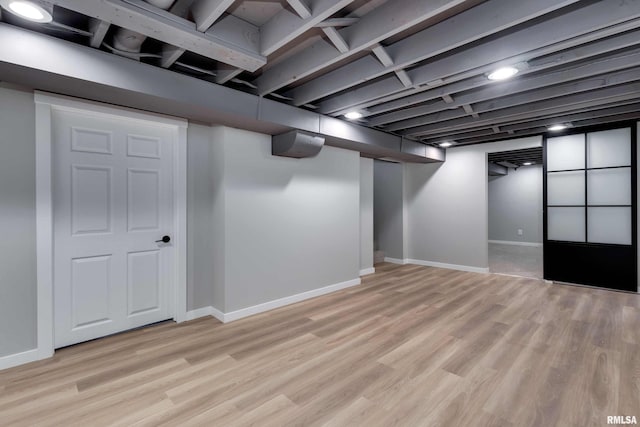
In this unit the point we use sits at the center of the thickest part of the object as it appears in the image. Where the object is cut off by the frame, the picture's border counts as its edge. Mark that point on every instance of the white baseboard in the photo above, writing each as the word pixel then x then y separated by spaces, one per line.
pixel 509 242
pixel 198 313
pixel 449 266
pixel 203 312
pixel 396 260
pixel 12 360
pixel 217 314
pixel 367 271
pixel 260 308
pixel 32 355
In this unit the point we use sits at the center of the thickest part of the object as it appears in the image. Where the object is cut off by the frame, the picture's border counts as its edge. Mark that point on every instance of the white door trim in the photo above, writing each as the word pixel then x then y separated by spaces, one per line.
pixel 45 104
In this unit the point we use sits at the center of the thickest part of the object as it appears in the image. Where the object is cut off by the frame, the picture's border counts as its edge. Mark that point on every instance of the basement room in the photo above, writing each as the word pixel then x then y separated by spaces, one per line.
pixel 319 213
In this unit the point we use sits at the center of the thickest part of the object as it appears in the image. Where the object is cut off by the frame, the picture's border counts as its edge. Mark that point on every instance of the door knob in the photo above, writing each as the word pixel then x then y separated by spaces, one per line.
pixel 165 239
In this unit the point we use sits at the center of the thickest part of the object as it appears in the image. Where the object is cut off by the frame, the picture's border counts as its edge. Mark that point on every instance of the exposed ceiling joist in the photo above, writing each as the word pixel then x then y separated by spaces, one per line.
pixel 472 134
pixel 381 23
pixel 537 63
pixel 337 22
pixel 447 99
pixel 473 24
pixel 412 67
pixel 99 29
pixel 589 99
pixel 539 130
pixel 336 39
pixel 383 56
pixel 207 12
pixel 551 92
pixel 286 26
pixel 544 119
pixel 234 42
pixel 423 94
pixel 301 8
pixel 568 118
pixel 181 7
pixel 223 76
pixel 404 78
pixel 170 54
pixel 561 91
pixel 567 74
pixel 556 33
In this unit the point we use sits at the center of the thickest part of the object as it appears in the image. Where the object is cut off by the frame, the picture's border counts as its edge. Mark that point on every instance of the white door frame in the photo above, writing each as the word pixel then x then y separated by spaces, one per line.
pixel 45 104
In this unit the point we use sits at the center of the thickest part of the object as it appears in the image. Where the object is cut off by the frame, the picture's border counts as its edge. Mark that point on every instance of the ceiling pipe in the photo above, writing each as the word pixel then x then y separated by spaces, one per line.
pixel 130 41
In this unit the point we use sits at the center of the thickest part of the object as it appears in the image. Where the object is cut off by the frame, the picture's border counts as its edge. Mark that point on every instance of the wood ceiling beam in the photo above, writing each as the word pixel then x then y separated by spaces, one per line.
pixel 232 41
pixel 602 67
pixel 556 33
pixel 285 26
pixel 381 23
pixel 470 25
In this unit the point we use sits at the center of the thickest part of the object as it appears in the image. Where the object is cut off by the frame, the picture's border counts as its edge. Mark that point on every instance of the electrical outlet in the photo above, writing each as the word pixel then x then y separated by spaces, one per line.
pixel 520 232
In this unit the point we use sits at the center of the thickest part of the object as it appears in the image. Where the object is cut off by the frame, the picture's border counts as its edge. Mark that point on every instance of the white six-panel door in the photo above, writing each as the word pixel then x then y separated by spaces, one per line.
pixel 113 199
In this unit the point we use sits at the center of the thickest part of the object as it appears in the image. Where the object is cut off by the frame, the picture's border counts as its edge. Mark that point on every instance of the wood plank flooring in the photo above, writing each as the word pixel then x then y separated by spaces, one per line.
pixel 411 346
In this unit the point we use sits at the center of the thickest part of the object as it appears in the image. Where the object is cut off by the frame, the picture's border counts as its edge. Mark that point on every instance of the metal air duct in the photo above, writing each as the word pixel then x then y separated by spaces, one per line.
pixel 296 144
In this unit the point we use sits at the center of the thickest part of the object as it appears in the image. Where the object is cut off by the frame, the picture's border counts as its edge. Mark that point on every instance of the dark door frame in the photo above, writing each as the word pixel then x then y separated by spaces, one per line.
pixel 610 266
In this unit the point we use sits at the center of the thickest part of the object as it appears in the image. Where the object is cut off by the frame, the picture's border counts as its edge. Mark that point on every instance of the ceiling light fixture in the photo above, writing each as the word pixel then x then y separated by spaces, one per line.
pixel 446 144
pixel 35 11
pixel 503 73
pixel 353 115
pixel 558 127
pixel 527 163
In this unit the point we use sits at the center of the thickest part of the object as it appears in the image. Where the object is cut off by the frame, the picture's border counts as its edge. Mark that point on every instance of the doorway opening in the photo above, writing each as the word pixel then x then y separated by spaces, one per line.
pixel 516 212
pixel 388 208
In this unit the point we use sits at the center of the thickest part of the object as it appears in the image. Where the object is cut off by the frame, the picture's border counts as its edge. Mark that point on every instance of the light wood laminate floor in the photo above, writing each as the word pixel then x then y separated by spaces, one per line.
pixel 411 346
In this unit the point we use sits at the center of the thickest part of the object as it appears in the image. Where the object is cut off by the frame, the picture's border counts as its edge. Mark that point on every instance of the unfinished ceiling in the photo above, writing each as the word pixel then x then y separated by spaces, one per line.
pixel 413 68
pixel 517 158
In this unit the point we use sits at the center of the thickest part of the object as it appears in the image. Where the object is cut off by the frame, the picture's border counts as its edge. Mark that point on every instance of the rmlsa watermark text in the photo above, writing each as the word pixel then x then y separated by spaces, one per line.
pixel 622 419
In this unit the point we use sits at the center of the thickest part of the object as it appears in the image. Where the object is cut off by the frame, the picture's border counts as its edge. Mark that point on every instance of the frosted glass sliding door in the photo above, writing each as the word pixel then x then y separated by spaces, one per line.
pixel 590 212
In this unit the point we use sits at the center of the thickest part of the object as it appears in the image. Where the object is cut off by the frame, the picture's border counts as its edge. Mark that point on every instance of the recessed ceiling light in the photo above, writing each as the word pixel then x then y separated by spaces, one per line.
pixel 353 115
pixel 29 10
pixel 558 127
pixel 527 163
pixel 503 73
pixel 446 144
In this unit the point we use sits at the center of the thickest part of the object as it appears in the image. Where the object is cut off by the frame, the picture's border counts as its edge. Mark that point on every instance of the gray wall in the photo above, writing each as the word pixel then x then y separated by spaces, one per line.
pixel 291 225
pixel 447 205
pixel 366 213
pixel 18 315
pixel 388 211
pixel 200 227
pixel 515 202
pixel 259 227
pixel 217 168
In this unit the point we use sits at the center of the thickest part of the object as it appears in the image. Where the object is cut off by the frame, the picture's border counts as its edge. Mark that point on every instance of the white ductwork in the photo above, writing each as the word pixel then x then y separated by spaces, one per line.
pixel 130 41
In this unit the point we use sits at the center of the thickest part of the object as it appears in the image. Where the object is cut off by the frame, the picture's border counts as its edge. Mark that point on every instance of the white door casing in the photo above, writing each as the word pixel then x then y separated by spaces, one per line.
pixel 116 183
